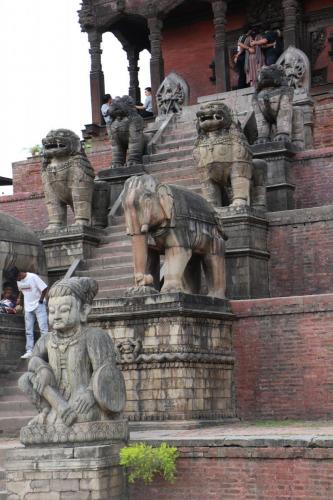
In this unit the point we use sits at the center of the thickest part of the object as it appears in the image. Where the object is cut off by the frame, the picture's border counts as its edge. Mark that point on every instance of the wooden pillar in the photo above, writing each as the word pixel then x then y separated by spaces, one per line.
pixel 221 71
pixel 97 87
pixel 290 22
pixel 133 70
pixel 156 60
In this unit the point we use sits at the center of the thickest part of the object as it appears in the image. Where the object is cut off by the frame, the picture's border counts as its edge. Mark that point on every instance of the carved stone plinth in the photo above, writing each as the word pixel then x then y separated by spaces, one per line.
pixel 78 472
pixel 116 178
pixel 246 252
pixel 175 351
pixel 280 186
pixel 64 245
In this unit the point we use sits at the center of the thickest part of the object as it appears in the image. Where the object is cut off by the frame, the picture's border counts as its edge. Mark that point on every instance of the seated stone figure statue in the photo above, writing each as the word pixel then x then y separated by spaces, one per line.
pixel 72 377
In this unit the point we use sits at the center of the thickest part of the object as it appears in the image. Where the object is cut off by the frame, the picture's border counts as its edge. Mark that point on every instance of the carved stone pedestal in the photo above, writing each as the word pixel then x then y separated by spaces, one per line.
pixel 79 472
pixel 175 351
pixel 116 178
pixel 280 186
pixel 246 252
pixel 64 245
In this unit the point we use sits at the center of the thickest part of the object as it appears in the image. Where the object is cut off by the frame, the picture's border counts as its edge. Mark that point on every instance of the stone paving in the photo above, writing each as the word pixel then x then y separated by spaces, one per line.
pixel 264 433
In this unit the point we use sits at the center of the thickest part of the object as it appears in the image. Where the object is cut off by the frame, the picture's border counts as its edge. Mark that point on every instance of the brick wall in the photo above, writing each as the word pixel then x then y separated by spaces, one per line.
pixel 313 177
pixel 300 243
pixel 284 349
pixel 29 208
pixel 239 473
pixel 323 130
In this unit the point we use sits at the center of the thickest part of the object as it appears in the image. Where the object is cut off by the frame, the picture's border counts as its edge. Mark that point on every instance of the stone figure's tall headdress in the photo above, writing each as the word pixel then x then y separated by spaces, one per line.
pixel 84 289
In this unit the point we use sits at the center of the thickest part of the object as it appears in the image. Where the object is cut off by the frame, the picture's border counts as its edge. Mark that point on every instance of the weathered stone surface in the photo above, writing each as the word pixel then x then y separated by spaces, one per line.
pixel 12 340
pixel 272 104
pixel 90 472
pixel 184 226
pixel 64 245
pixel 20 247
pixel 178 363
pixel 72 377
pixel 224 159
pixel 126 133
pixel 172 95
pixel 247 253
pixel 296 65
pixel 68 178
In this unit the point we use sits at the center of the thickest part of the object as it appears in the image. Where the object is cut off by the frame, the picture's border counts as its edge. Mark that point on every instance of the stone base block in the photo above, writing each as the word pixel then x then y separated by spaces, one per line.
pixel 75 473
pixel 246 252
pixel 12 341
pixel 280 185
pixel 116 177
pixel 65 245
pixel 175 351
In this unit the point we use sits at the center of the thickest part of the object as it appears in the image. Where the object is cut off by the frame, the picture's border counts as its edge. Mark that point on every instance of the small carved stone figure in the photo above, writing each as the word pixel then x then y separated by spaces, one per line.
pixel 172 94
pixel 68 178
pixel 297 68
pixel 184 226
pixel 224 159
pixel 127 137
pixel 128 350
pixel 72 377
pixel 273 105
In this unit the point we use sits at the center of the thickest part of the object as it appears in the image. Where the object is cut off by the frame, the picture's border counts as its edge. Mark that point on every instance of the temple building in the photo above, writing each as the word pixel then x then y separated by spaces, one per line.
pixel 197 38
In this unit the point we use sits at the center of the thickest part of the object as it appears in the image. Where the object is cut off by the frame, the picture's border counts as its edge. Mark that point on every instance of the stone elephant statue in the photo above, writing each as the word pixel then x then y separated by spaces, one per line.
pixel 181 224
pixel 20 247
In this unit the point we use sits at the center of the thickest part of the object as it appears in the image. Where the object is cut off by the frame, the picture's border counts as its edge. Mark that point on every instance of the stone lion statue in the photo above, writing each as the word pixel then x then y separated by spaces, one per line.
pixel 273 105
pixel 228 174
pixel 68 178
pixel 127 137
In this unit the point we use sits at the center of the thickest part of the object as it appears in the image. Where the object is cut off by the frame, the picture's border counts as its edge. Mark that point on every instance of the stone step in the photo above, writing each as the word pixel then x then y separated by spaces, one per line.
pixel 180 174
pixel 178 135
pixel 10 426
pixel 13 394
pixel 177 144
pixel 2 480
pixel 115 271
pixel 166 155
pixel 169 165
pixel 108 262
pixel 21 407
pixel 116 248
pixel 7 444
pixel 110 283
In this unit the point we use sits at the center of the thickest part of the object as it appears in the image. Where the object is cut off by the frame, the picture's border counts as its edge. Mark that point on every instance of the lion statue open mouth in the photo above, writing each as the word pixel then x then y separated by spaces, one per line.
pixel 68 178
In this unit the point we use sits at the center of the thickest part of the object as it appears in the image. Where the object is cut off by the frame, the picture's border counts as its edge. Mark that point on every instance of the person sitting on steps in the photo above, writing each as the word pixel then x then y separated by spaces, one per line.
pixel 146 110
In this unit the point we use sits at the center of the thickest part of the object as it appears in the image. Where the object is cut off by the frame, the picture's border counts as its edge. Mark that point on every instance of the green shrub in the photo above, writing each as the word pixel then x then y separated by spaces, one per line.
pixel 144 461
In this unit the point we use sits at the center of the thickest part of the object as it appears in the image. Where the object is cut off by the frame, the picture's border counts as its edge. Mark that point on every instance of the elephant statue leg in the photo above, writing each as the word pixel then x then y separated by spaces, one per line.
pixel 240 183
pixel 214 269
pixel 176 259
pixel 82 202
pixel 56 209
pixel 140 260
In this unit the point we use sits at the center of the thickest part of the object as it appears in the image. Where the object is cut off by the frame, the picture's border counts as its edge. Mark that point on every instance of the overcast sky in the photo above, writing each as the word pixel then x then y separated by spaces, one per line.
pixel 45 73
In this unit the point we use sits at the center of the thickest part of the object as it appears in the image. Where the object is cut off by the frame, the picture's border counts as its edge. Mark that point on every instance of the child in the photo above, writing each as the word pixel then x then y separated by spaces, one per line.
pixel 7 302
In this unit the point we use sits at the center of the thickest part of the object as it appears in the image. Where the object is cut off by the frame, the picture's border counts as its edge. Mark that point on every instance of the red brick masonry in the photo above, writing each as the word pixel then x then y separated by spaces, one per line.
pixel 284 351
pixel 244 465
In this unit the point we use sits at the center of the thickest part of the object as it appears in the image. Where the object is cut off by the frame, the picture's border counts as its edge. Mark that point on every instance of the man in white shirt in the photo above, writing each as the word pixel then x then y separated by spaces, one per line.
pixel 147 109
pixel 33 288
pixel 107 101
